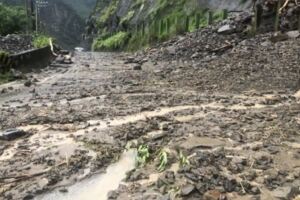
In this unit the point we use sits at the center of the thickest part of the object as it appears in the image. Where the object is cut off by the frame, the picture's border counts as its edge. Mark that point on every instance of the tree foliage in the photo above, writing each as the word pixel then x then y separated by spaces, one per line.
pixel 12 19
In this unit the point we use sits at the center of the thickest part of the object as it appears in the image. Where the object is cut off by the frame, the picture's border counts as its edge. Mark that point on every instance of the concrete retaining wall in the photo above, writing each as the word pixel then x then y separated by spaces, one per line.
pixel 28 60
pixel 32 59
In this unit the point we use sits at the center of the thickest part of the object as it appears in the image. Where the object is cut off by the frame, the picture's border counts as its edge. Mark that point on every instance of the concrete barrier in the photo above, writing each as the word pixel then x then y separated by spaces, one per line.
pixel 30 60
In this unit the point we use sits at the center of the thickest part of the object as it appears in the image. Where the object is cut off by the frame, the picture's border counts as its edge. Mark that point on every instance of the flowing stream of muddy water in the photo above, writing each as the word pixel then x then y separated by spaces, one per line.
pixel 98 186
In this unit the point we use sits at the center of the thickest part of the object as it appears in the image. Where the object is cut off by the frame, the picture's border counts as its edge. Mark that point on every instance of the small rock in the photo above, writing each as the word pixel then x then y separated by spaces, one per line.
pixel 293 34
pixel 230 185
pixel 4 90
pixel 187 189
pixel 171 50
pixel 63 190
pixel 137 67
pixel 11 134
pixel 278 37
pixel 28 83
pixel 214 195
pixel 285 193
pixel 226 29
pixel 112 195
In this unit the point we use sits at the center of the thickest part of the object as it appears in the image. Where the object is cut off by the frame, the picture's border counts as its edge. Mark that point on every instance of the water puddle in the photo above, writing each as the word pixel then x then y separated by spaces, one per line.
pixel 98 186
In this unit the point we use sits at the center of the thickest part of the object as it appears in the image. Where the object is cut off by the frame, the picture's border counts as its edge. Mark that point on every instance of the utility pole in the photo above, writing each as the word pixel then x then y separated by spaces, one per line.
pixel 27 16
pixel 38 5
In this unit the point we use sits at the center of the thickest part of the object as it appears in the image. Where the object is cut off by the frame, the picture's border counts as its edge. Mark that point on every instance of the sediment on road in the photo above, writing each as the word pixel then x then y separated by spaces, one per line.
pixel 222 124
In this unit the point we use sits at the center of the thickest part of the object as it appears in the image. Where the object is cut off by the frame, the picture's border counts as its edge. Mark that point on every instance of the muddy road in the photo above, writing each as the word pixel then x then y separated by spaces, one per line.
pixel 79 119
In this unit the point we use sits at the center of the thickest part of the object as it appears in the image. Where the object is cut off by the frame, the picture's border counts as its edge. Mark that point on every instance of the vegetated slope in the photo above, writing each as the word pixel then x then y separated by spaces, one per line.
pixel 157 19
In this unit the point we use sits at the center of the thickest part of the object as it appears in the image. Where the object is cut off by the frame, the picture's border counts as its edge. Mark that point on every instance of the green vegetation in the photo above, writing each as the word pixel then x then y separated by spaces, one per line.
pixel 12 19
pixel 183 160
pixel 115 42
pixel 143 155
pixel 163 160
pixel 127 18
pixel 40 41
pixel 107 13
pixel 5 77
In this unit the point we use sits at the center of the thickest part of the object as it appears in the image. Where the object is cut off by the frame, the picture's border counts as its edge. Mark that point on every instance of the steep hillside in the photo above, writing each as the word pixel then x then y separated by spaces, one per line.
pixel 124 18
pixel 62 22
pixel 81 7
pixel 63 19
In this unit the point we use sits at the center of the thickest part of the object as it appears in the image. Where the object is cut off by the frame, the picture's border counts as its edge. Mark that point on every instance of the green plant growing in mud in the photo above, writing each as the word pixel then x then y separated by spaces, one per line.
pixel 183 160
pixel 174 192
pixel 143 155
pixel 163 160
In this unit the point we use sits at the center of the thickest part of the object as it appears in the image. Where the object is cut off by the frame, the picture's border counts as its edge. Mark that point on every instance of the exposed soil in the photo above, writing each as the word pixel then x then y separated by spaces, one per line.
pixel 233 114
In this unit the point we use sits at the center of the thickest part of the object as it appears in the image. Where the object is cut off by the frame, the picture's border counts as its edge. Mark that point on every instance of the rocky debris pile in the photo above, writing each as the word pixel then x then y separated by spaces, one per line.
pixel 207 42
pixel 289 14
pixel 15 43
pixel 217 39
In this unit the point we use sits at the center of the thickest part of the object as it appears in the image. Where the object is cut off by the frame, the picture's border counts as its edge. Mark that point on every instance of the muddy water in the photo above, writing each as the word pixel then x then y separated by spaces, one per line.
pixel 97 187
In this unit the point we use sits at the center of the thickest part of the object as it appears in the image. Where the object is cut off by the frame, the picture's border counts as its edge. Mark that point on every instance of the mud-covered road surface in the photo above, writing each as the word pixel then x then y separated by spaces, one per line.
pixel 240 142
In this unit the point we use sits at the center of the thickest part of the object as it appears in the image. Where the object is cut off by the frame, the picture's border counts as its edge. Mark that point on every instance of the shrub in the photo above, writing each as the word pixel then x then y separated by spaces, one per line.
pixel 115 42
pixel 40 41
pixel 12 19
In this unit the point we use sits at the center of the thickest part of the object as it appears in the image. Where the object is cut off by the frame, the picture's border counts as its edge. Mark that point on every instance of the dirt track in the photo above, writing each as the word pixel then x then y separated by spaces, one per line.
pixel 80 118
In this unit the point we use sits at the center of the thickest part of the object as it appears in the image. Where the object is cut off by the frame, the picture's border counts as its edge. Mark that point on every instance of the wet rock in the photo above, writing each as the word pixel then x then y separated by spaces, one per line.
pixel 28 197
pixel 278 37
pixel 226 29
pixel 137 67
pixel 202 142
pixel 171 50
pixel 187 189
pixel 230 185
pixel 130 60
pixel 263 161
pixel 28 83
pixel 63 190
pixel 214 195
pixel 3 91
pixel 12 134
pixel 135 175
pixel 112 195
pixel 293 34
pixel 285 193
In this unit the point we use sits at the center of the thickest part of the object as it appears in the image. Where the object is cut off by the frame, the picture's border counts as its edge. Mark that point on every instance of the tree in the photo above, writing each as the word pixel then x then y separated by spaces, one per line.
pixel 12 19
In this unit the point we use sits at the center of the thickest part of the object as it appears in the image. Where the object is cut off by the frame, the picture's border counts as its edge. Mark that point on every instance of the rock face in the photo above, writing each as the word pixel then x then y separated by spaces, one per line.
pixel 62 22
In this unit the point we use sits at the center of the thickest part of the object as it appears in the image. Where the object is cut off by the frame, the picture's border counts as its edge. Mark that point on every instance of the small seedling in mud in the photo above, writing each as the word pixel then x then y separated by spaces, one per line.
pixel 163 160
pixel 174 192
pixel 142 155
pixel 183 160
